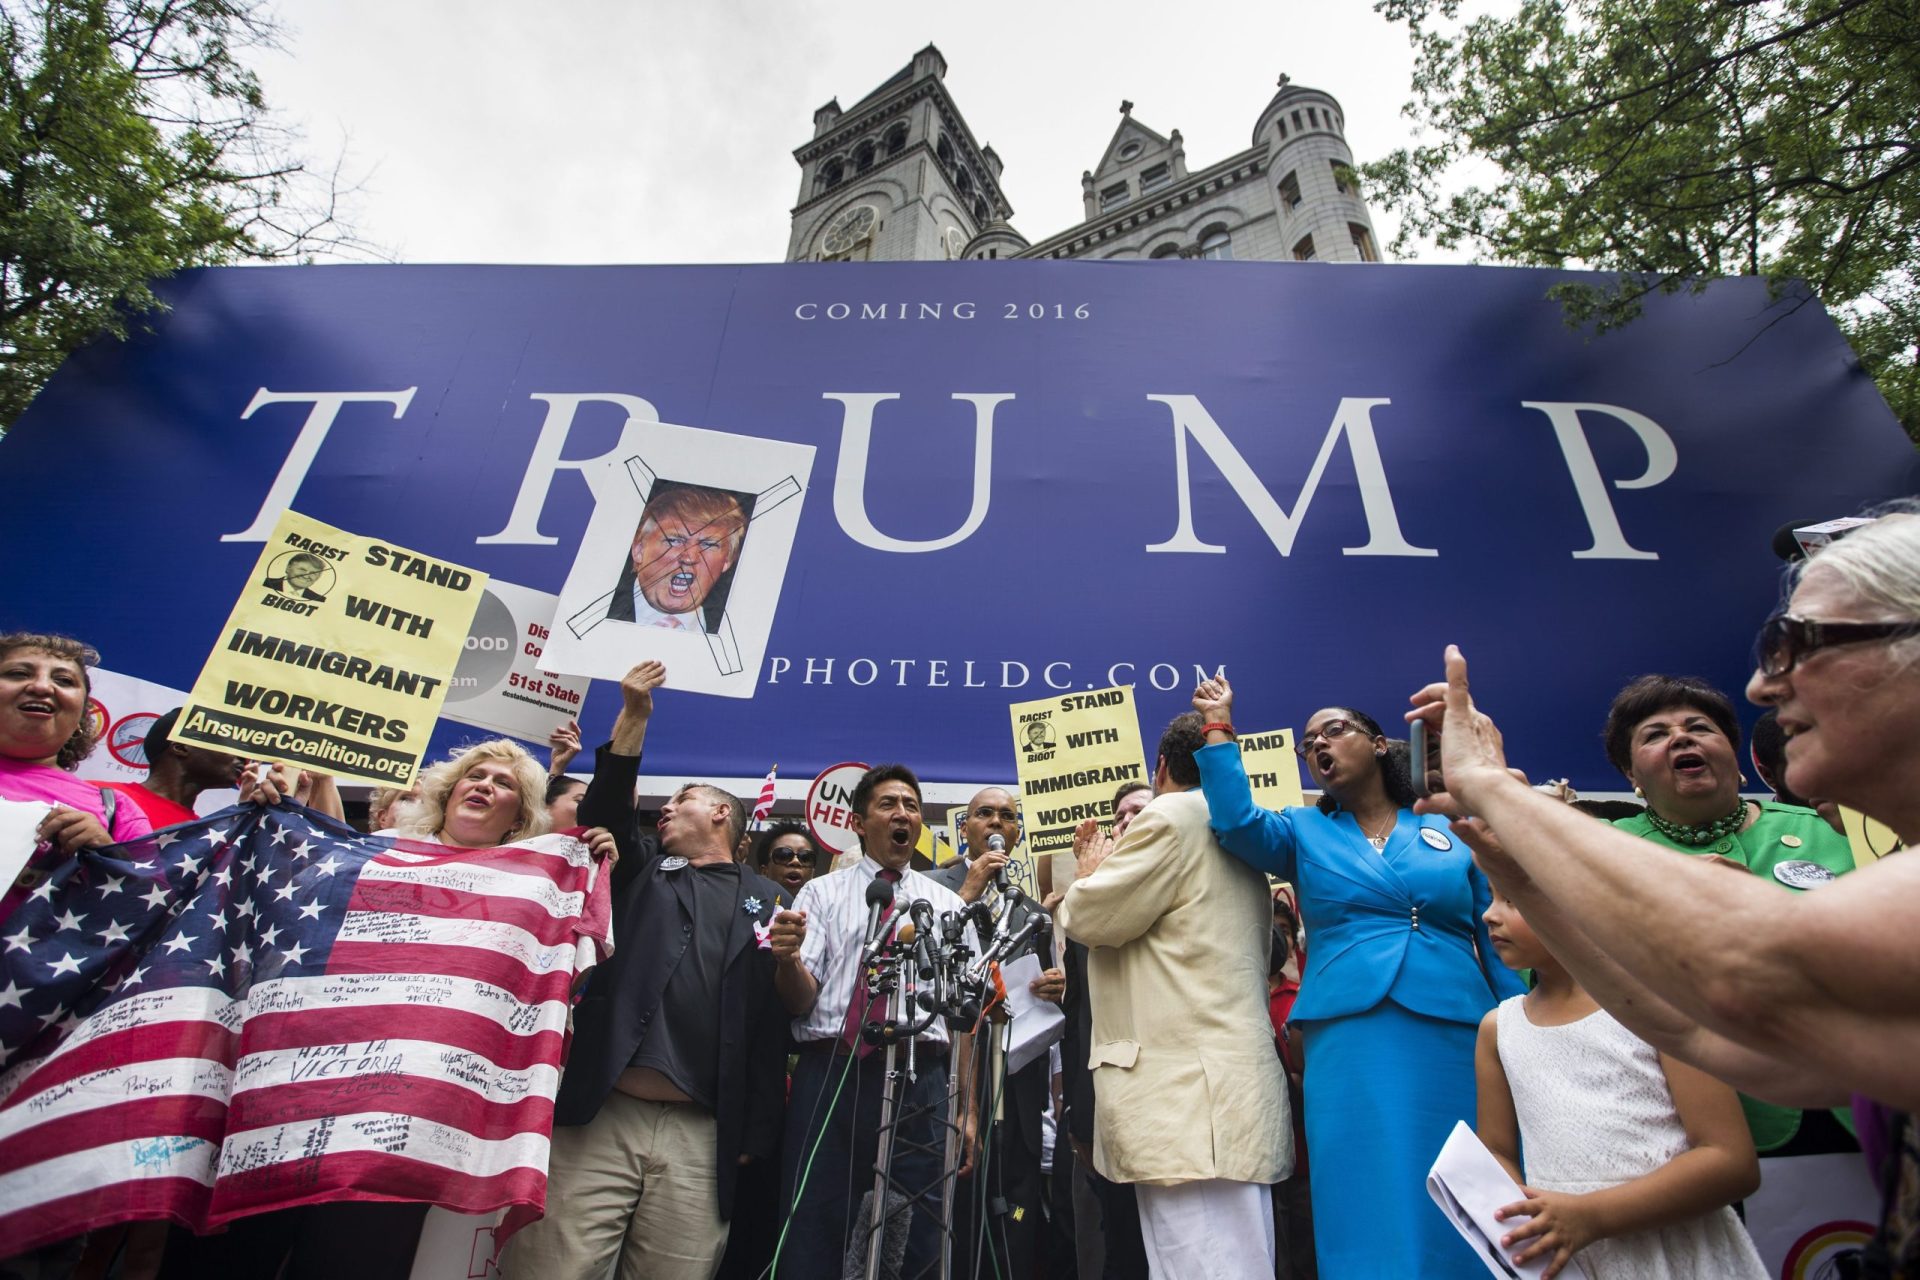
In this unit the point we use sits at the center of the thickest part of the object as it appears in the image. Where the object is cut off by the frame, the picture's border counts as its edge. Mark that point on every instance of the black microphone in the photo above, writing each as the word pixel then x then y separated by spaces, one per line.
pixel 879 898
pixel 1785 545
pixel 996 845
pixel 922 913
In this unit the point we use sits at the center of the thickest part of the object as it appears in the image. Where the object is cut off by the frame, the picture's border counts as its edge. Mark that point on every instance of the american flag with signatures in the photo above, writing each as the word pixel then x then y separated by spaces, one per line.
pixel 266 1009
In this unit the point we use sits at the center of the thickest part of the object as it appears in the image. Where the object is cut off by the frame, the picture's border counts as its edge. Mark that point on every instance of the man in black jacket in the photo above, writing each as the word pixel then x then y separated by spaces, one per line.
pixel 675 1078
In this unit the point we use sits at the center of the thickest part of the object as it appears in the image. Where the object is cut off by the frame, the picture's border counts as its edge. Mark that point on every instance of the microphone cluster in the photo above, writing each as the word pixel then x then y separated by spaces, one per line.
pixel 929 960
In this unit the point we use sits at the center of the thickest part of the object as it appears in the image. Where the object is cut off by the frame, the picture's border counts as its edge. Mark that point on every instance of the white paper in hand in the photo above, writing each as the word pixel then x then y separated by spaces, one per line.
pixel 1468 1184
pixel 19 819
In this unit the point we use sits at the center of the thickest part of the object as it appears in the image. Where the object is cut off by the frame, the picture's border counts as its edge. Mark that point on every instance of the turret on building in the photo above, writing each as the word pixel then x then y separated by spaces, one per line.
pixel 899 177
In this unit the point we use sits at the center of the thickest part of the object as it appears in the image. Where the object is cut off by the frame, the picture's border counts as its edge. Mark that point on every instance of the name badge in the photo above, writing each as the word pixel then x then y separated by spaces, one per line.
pixel 1801 875
pixel 672 863
pixel 1436 839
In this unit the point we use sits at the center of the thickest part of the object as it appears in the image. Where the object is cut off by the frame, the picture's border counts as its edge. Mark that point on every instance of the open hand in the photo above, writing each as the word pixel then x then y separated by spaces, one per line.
pixel 637 686
pixel 564 745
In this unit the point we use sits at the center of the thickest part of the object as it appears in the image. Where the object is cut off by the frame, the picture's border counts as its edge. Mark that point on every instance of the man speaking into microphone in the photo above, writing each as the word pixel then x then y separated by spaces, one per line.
pixel 1011 1197
pixel 820 948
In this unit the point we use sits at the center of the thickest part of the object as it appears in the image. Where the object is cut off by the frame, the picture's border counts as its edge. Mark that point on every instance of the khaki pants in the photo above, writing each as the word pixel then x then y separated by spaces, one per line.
pixel 637 1182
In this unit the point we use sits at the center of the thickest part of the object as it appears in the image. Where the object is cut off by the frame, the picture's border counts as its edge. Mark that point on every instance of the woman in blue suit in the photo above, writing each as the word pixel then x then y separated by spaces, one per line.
pixel 1399 974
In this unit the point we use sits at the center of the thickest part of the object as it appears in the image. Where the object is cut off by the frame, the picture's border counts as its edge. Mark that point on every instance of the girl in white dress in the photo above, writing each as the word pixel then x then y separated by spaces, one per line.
pixel 1632 1157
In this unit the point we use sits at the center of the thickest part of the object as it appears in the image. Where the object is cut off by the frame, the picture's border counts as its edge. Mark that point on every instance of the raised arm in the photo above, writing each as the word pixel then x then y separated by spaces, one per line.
pixel 1831 975
pixel 1258 837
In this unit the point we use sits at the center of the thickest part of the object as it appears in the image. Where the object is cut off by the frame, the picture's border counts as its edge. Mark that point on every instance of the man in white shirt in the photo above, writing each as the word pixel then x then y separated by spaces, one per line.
pixel 833 1112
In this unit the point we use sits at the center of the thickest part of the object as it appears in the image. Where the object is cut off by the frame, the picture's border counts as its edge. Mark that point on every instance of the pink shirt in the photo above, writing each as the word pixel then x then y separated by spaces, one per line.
pixel 24 780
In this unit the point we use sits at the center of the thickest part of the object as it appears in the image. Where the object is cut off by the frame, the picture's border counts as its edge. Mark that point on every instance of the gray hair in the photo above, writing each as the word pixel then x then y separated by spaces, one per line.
pixel 1880 562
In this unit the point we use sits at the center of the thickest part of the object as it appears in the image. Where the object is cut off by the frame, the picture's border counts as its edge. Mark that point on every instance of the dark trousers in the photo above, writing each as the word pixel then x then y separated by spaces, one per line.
pixel 832 1180
pixel 1120 1223
pixel 357 1239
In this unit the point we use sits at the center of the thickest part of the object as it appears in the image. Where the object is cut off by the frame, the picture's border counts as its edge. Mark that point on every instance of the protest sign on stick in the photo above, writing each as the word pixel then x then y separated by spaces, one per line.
pixel 1070 753
pixel 336 656
pixel 687 565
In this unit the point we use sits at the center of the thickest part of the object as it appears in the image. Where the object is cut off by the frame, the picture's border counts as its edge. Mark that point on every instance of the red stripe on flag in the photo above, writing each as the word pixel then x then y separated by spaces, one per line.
pixel 439 1101
pixel 181 1199
pixel 186 1039
pixel 456 962
pixel 137 1118
pixel 353 1024
pixel 402 898
pixel 346 1175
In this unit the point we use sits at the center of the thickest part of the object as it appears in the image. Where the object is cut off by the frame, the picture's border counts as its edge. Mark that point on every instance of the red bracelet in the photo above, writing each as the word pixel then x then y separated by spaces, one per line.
pixel 1221 725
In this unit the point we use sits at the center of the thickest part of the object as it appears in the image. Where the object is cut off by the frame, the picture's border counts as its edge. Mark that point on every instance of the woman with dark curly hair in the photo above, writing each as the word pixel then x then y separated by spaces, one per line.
pixel 1399 974
pixel 789 856
pixel 1676 739
pixel 44 735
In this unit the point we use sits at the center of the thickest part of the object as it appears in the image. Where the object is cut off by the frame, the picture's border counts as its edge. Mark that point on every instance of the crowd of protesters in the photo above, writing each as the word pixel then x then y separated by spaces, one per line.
pixel 1272 1019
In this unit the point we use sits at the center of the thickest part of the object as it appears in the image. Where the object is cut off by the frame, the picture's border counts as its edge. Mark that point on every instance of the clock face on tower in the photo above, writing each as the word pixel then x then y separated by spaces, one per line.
pixel 955 241
pixel 848 229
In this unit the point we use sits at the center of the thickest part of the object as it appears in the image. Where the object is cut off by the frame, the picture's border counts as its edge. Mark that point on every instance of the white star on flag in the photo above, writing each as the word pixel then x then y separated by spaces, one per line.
pixel 67 920
pixel 21 941
pixel 181 942
pixel 65 964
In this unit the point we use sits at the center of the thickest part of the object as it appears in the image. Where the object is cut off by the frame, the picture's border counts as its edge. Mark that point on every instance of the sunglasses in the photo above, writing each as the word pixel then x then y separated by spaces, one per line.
pixel 802 856
pixel 1335 728
pixel 1785 639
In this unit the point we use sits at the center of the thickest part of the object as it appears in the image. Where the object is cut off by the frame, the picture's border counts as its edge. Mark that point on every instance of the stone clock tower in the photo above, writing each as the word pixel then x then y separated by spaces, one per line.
pixel 896 178
pixel 899 178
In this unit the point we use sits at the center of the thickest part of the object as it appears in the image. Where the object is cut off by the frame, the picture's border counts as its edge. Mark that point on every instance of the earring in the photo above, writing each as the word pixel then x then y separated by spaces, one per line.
pixel 1638 794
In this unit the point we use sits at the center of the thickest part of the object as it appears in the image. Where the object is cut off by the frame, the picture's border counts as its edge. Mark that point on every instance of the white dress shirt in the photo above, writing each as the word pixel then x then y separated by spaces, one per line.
pixel 836 907
pixel 645 615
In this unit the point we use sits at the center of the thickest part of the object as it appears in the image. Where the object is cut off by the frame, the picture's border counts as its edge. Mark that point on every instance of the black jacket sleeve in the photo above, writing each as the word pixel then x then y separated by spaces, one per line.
pixel 609 803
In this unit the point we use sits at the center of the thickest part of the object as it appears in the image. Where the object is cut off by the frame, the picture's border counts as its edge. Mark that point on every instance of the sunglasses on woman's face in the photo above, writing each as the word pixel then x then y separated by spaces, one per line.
pixel 802 856
pixel 1785 639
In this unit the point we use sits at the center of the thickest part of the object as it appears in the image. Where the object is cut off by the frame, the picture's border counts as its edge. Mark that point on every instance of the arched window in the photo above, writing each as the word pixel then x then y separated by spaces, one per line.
pixel 1217 245
pixel 962 181
pixel 831 172
pixel 1166 251
pixel 980 210
pixel 863 157
pixel 944 150
pixel 897 139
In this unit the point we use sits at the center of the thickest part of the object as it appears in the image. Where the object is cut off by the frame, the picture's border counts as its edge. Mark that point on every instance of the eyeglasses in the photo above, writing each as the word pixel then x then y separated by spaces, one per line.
pixel 802 856
pixel 1334 728
pixel 1785 639
pixel 987 813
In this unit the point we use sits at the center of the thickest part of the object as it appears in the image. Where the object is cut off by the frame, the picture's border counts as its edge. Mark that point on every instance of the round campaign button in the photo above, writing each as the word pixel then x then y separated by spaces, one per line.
pixel 1436 839
pixel 672 863
pixel 1791 841
pixel 1801 875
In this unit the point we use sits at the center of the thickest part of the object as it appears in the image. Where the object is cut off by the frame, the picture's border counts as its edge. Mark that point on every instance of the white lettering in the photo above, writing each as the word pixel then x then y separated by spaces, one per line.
pixel 313 433
pixel 826 671
pixel 1354 418
pixel 1153 676
pixel 850 478
pixel 1609 543
pixel 1006 675
pixel 1047 675
pixel 523 526
pixel 1113 672
pixel 873 671
pixel 776 667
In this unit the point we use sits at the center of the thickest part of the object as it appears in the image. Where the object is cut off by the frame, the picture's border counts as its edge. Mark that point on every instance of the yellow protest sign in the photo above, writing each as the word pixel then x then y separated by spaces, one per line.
pixel 1871 840
pixel 1272 768
pixel 336 657
pixel 1070 753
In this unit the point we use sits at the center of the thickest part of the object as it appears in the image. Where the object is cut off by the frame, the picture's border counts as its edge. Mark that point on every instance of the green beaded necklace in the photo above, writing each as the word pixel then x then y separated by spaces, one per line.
pixel 1705 833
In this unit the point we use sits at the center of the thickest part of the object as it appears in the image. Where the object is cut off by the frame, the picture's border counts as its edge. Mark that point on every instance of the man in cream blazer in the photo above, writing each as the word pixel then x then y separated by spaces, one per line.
pixel 1192 1101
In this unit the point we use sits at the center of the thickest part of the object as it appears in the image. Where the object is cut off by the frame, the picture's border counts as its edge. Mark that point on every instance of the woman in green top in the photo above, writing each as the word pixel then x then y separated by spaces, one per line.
pixel 1677 740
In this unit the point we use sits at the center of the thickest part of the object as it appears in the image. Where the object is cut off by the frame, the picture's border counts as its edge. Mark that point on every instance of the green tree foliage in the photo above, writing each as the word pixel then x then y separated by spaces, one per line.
pixel 1673 141
pixel 132 143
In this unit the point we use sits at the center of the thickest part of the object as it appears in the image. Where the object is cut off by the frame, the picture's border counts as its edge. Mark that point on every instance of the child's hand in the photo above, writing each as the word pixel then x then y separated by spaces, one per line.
pixel 1559 1223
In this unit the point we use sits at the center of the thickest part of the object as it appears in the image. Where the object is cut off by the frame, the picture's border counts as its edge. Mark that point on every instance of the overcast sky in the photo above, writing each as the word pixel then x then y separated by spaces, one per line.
pixel 623 131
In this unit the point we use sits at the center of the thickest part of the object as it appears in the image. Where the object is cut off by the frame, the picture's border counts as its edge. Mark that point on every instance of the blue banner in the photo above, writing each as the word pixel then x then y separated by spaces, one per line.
pixel 1030 478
